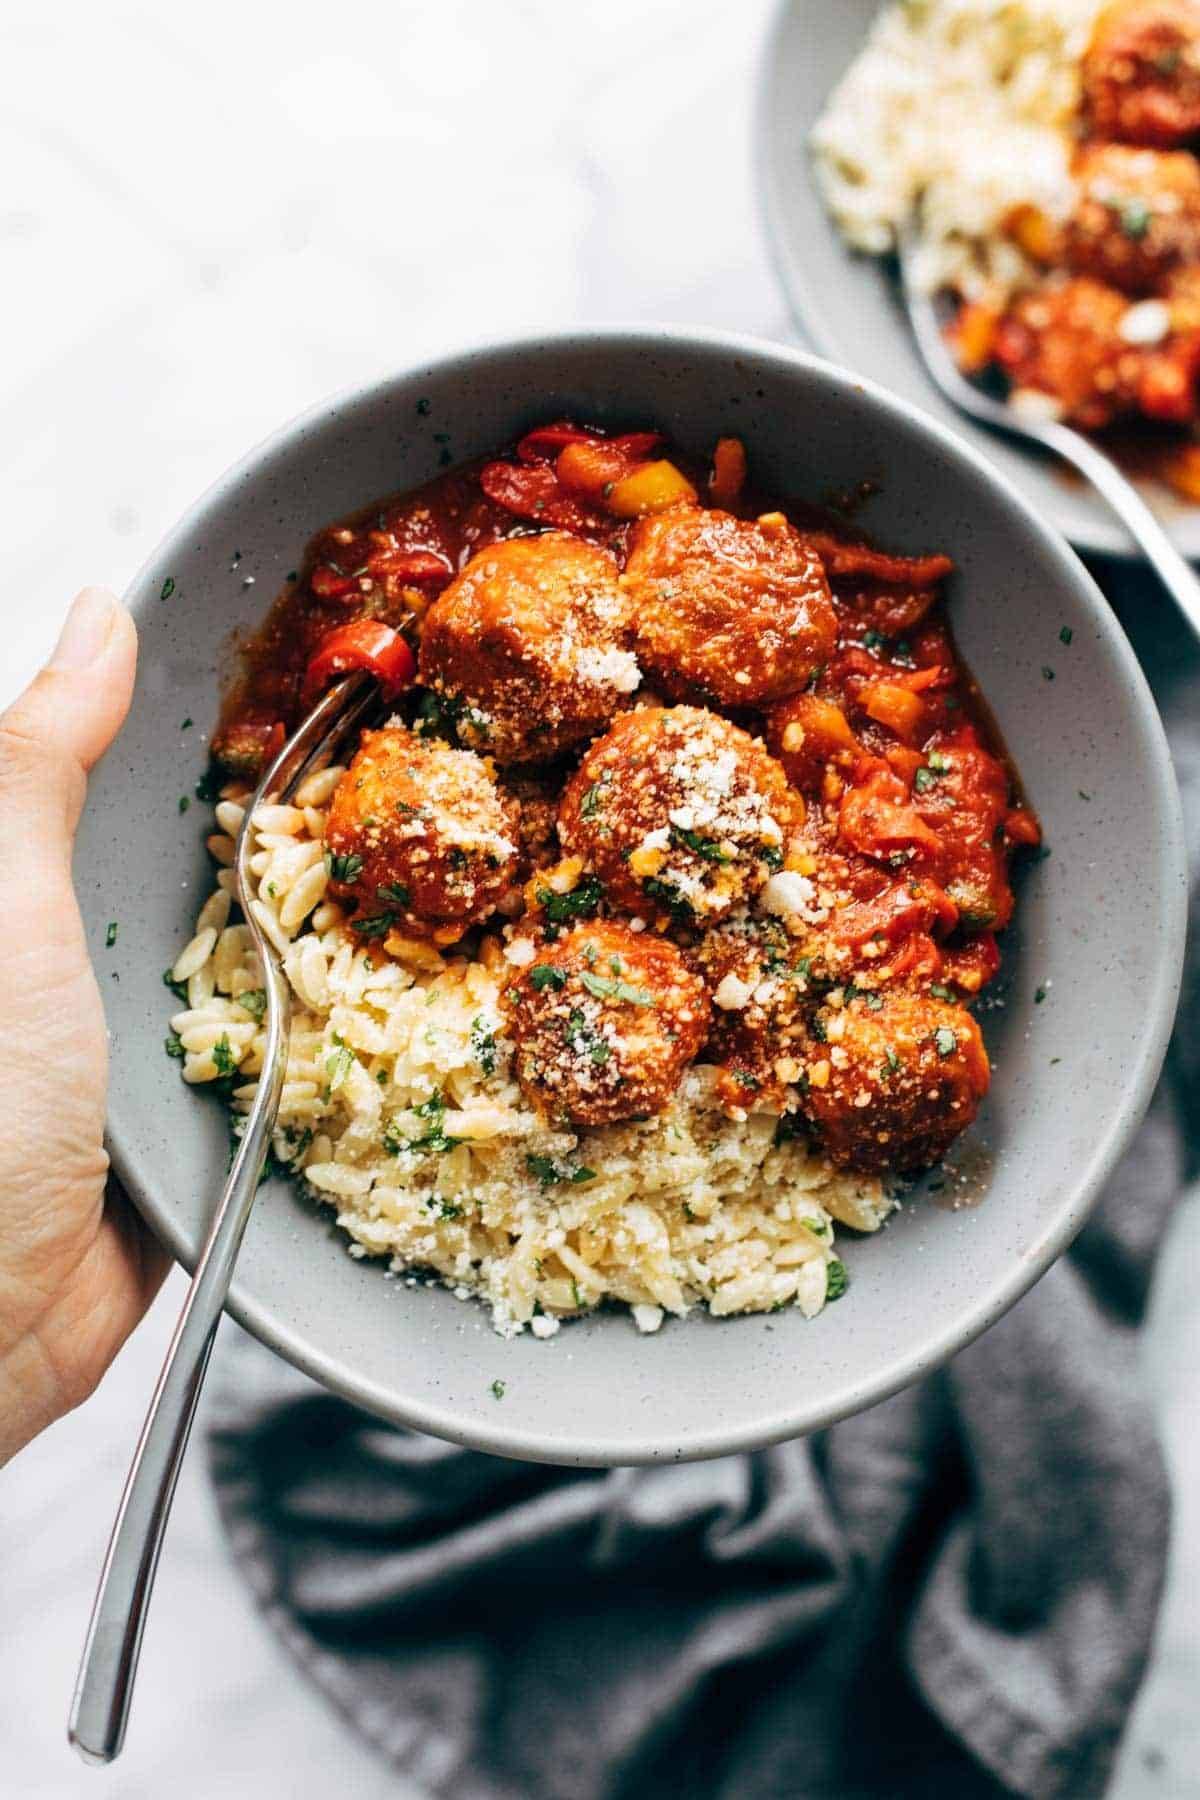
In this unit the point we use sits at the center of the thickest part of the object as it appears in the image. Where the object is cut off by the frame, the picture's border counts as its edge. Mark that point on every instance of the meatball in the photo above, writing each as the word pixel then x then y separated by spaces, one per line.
pixel 761 989
pixel 893 1078
pixel 1141 73
pixel 727 610
pixel 419 837
pixel 677 811
pixel 1137 216
pixel 1066 340
pixel 528 650
pixel 605 1020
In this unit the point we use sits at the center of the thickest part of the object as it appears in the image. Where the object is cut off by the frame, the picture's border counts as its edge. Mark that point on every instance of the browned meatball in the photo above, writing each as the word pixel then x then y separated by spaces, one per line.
pixel 605 1020
pixel 419 837
pixel 678 812
pixel 726 609
pixel 529 648
pixel 1137 217
pixel 892 1079
pixel 1141 74
pixel 762 993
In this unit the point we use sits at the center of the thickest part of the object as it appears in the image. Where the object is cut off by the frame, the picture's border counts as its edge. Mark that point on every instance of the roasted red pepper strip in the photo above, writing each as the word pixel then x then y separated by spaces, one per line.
pixel 363 644
pixel 544 444
pixel 534 492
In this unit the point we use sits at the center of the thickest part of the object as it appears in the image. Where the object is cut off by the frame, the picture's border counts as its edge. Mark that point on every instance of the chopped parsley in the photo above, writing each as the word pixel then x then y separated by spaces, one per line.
pixel 873 640
pixel 110 936
pixel 545 975
pixel 345 867
pixel 580 903
pixel 935 766
pixel 483 1046
pixel 208 788
pixel 375 927
pixel 254 1001
pixel 615 990
pixel 585 1039
pixel 707 848
pixel 184 802
pixel 1133 216
pixel 1040 995
pixel 187 725
pixel 679 908
pixel 891 1062
pixel 178 988
pixel 174 1047
pixel 592 801
pixel 339 1064
pixel 168 588
pixel 434 1139
pixel 1065 635
pixel 499 1388
pixel 551 1174
pixel 224 1060
pixel 394 892
pixel 836 1279
pixel 945 1040
pixel 942 993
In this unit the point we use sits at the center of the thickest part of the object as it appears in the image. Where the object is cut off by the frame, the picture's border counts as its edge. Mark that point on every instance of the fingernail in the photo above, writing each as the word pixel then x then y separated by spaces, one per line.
pixel 87 629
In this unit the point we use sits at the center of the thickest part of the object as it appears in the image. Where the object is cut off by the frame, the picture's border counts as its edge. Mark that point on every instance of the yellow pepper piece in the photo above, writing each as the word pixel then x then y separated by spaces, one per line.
pixel 650 488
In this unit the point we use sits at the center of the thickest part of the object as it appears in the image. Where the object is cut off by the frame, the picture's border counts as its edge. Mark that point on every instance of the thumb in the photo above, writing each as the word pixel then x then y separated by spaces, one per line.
pixel 63 723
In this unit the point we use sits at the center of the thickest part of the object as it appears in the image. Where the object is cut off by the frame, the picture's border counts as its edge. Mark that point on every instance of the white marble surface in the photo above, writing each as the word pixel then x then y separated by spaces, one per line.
pixel 209 217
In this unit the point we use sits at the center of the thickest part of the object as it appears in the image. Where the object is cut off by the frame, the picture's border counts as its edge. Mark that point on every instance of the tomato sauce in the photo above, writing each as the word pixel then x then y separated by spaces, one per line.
pixel 906 780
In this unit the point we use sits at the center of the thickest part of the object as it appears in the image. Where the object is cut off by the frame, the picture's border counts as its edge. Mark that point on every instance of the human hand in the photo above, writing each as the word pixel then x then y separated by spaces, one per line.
pixel 77 1268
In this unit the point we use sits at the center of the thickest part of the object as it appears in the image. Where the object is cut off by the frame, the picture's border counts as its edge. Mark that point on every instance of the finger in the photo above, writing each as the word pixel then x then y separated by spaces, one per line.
pixel 63 723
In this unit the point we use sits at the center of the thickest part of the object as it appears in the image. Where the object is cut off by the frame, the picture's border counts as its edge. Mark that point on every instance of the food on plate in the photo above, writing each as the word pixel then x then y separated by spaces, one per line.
pixel 633 949
pixel 678 812
pixel 1044 154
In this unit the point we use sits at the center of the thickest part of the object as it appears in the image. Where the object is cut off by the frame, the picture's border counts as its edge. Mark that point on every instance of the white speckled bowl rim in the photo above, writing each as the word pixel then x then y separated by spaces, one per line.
pixel 845 305
pixel 1101 921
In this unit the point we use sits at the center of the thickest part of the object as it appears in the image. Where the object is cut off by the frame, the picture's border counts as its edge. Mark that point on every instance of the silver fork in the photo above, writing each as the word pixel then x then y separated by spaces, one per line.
pixel 1176 574
pixel 104 1688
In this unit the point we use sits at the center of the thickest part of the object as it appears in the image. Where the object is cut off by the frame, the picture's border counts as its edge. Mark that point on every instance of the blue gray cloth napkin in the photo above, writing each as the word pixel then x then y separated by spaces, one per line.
pixel 952 1594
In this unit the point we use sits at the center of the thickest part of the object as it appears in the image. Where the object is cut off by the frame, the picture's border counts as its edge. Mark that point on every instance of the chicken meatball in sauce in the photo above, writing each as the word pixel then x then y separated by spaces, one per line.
pixel 605 1021
pixel 419 838
pixel 725 609
pixel 679 812
pixel 891 1079
pixel 528 650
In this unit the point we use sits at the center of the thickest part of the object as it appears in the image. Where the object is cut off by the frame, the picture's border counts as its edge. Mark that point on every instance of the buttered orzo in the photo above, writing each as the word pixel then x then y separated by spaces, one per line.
pixel 401 1112
pixel 633 952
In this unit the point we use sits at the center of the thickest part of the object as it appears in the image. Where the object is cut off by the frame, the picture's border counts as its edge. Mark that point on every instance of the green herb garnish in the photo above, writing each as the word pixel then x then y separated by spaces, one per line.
pixel 376 927
pixel 345 866
pixel 110 936
pixel 836 1279
pixel 224 1060
pixel 545 975
pixel 707 848
pixel 945 1040
pixel 615 990
pixel 580 903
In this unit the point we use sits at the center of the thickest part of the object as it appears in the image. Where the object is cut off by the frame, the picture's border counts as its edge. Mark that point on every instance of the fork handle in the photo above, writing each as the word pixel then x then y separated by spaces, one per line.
pixel 100 1708
pixel 1173 570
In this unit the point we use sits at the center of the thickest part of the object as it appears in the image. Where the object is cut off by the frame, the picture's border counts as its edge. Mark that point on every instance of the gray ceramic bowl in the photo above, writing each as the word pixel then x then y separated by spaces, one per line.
pixel 845 305
pixel 1101 920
